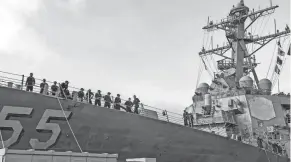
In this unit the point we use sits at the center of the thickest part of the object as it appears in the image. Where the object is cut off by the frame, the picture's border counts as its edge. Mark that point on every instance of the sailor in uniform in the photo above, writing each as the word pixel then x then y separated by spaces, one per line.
pixel 98 97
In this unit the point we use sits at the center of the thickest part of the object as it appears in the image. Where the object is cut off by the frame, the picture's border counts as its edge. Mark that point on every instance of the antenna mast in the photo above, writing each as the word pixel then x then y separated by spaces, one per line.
pixel 235 29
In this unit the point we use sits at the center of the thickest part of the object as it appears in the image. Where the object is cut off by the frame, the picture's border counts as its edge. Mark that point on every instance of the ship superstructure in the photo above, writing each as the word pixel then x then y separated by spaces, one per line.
pixel 235 104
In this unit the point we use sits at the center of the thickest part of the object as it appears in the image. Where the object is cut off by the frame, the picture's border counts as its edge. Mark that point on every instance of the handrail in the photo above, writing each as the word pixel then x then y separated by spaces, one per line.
pixel 173 117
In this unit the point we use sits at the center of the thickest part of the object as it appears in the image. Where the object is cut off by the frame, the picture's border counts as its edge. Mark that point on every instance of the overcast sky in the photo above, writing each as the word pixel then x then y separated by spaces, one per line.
pixel 143 47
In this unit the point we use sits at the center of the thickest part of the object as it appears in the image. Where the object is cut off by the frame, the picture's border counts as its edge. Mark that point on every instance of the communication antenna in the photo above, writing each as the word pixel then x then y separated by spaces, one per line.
pixel 235 30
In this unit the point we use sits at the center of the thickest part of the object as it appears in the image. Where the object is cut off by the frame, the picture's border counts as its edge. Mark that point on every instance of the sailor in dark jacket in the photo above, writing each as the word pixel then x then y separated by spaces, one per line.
pixel 185 117
pixel 128 105
pixel 89 96
pixel 81 94
pixel 30 82
pixel 54 88
pixel 64 88
pixel 65 85
pixel 260 142
pixel 98 97
pixel 108 100
pixel 42 85
pixel 191 120
pixel 117 102
pixel 136 102
pixel 68 95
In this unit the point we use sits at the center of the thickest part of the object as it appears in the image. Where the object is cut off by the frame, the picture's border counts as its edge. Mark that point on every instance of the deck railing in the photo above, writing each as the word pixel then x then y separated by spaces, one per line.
pixel 17 81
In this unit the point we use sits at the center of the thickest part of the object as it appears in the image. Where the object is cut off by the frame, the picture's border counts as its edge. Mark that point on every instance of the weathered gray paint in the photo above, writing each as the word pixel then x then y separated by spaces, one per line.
pixel 277 105
pixel 51 156
pixel 102 130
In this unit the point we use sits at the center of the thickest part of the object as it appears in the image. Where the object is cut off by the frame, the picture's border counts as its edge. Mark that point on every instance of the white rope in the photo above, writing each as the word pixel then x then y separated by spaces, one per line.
pixel 203 39
pixel 266 155
pixel 210 46
pixel 260 26
pixel 205 56
pixel 2 140
pixel 207 38
pixel 70 126
pixel 208 66
pixel 199 73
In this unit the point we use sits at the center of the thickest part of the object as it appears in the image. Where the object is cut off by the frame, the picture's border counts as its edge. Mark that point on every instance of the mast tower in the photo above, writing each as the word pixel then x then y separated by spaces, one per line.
pixel 241 61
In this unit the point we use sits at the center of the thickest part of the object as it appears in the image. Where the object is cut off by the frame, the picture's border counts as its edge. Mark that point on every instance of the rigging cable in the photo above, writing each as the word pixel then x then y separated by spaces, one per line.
pixel 255 28
pixel 214 63
pixel 265 24
pixel 207 37
pixel 211 56
pixel 207 69
pixel 203 39
pixel 68 122
pixel 271 60
pixel 252 36
pixel 205 62
pixel 2 140
pixel 200 69
pixel 260 25
pixel 209 61
pixel 199 73
pixel 261 30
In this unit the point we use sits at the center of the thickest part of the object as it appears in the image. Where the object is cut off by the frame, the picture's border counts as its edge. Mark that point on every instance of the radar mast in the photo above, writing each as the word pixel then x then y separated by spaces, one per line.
pixel 241 62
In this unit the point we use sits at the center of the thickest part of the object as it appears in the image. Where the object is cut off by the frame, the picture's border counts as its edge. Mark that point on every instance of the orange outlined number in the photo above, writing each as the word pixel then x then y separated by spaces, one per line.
pixel 45 126
pixel 16 126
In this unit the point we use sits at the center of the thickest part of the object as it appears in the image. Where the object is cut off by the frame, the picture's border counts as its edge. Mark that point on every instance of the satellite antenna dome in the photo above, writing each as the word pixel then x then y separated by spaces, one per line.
pixel 202 88
pixel 240 4
pixel 265 84
pixel 203 85
pixel 246 82
pixel 240 7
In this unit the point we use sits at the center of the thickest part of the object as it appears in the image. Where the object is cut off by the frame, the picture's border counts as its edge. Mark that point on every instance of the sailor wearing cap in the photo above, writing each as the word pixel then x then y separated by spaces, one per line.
pixel 43 87
pixel 30 82
pixel 64 88
pixel 54 88
pixel 89 96
pixel 117 102
pixel 98 97
pixel 136 102
pixel 81 94
pixel 108 100
pixel 128 105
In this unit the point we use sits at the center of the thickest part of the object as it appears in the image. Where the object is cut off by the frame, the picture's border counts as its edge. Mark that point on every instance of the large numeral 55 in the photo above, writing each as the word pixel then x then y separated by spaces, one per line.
pixel 8 111
pixel 44 126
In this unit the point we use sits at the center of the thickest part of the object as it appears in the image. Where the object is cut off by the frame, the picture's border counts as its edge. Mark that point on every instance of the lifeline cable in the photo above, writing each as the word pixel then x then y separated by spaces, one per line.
pixel 199 73
pixel 206 62
pixel 70 125
pixel 267 155
pixel 264 27
pixel 211 56
pixel 2 140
